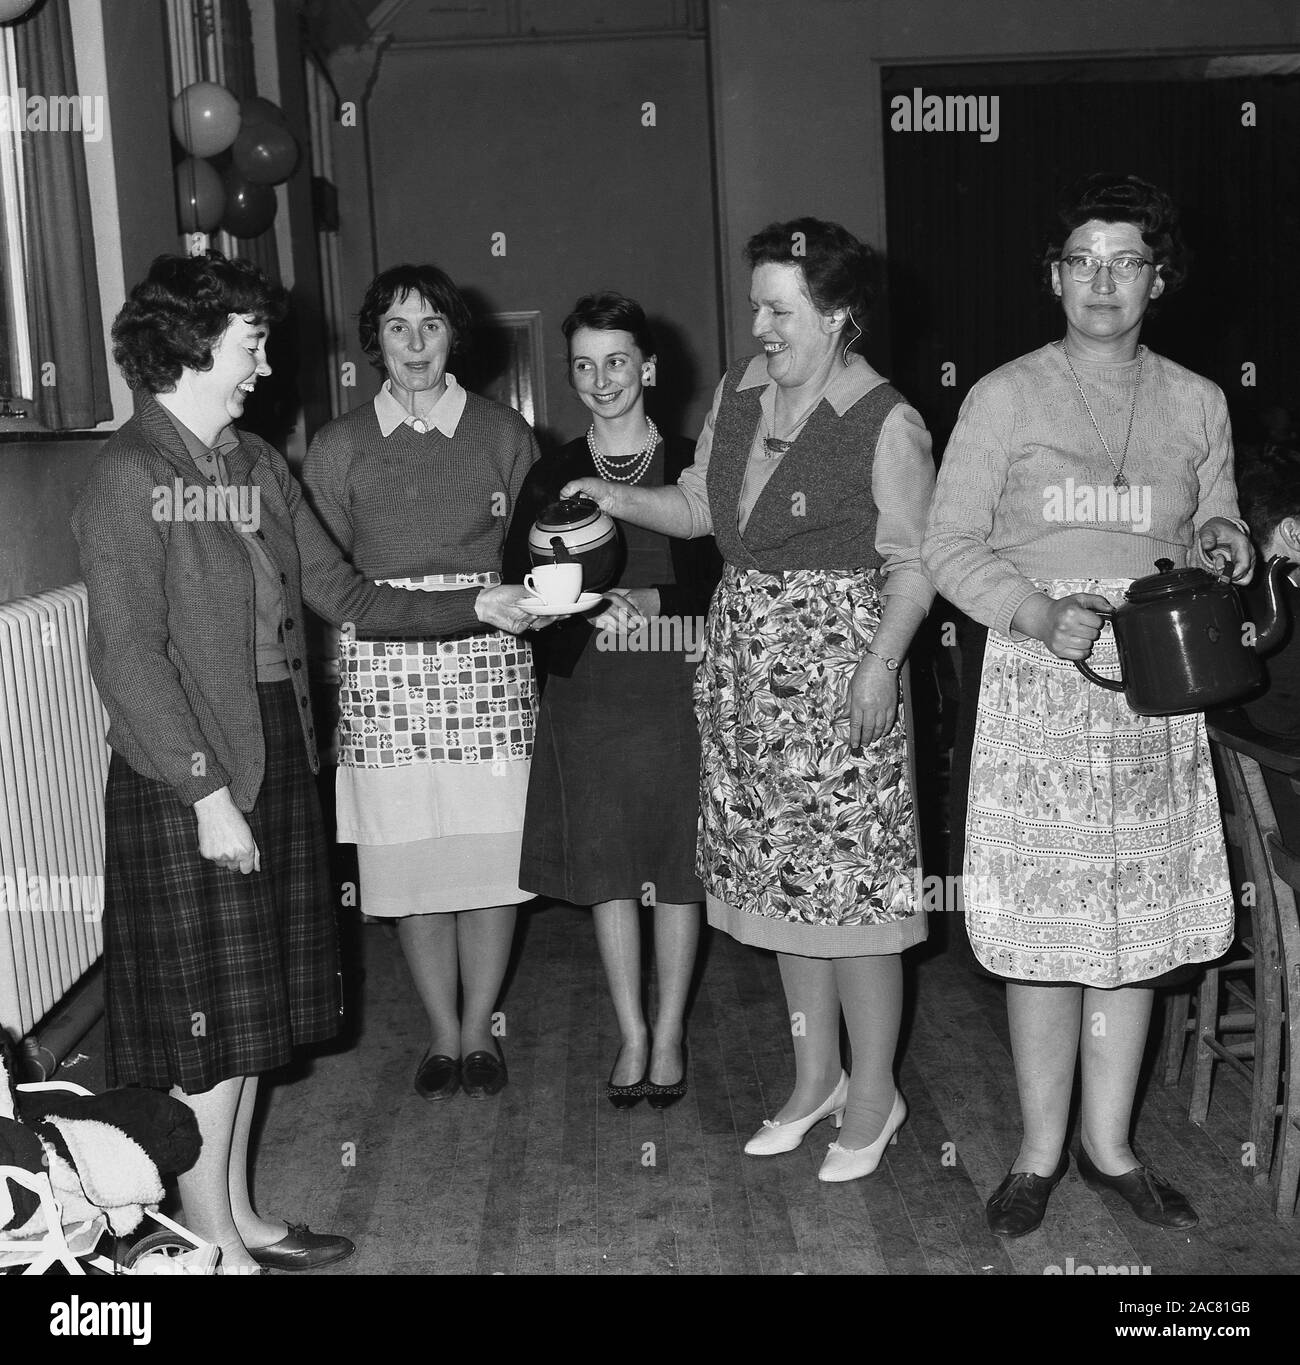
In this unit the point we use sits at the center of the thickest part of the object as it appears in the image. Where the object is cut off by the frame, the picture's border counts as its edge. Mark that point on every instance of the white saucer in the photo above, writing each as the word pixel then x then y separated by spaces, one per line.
pixel 537 607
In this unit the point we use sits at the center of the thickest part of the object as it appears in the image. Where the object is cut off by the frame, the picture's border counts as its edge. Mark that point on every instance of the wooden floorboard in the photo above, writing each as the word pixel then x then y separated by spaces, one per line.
pixel 548 1178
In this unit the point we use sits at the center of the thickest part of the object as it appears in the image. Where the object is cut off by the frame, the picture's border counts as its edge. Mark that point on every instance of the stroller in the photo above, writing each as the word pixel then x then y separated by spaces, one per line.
pixel 70 1177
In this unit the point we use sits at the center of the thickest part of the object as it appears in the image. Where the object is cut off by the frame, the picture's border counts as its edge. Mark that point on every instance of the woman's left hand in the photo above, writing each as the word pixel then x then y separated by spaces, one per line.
pixel 1227 547
pixel 873 702
pixel 625 609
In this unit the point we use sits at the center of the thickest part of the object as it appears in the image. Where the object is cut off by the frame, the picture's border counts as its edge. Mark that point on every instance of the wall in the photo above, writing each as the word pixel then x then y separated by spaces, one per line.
pixel 40 480
pixel 797 104
pixel 544 142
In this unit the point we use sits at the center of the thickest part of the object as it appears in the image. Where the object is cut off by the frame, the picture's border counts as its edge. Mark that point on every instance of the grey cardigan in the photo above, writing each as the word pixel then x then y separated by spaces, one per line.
pixel 171 634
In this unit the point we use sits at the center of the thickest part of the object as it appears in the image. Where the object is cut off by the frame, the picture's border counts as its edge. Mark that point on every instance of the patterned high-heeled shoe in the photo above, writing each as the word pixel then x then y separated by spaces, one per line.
pixel 848 1163
pixel 663 1096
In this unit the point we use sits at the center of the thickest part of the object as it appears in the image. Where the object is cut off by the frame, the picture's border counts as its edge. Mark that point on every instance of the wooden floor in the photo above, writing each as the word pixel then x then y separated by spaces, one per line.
pixel 548 1178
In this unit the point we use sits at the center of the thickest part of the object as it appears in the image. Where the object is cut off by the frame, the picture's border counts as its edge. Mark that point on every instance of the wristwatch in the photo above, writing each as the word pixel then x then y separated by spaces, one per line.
pixel 891 664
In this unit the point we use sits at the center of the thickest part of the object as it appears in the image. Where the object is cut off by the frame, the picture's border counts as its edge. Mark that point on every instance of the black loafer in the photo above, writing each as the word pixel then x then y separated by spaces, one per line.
pixel 1018 1204
pixel 1152 1199
pixel 437 1077
pixel 302 1249
pixel 483 1074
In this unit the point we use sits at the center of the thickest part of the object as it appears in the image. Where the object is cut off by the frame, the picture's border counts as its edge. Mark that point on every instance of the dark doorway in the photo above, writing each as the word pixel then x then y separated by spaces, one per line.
pixel 967 219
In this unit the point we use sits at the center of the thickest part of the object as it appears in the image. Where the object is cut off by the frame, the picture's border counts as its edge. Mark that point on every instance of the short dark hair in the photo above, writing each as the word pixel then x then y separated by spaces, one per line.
pixel 427 282
pixel 1269 492
pixel 837 267
pixel 1111 197
pixel 610 311
pixel 173 318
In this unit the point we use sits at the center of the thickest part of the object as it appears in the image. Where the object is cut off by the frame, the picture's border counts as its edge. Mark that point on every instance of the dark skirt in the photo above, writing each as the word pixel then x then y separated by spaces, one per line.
pixel 211 974
pixel 971 639
pixel 613 797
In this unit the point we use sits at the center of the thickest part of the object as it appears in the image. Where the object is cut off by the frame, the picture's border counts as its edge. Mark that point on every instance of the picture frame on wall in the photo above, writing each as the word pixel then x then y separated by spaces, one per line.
pixel 517 372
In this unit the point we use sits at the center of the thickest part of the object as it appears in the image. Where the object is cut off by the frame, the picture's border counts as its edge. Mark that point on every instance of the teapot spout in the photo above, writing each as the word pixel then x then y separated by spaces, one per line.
pixel 1272 630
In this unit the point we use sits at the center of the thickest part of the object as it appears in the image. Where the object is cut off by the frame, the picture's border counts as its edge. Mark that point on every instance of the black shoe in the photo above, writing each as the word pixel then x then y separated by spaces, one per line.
pixel 1152 1199
pixel 1018 1204
pixel 625 1096
pixel 302 1249
pixel 437 1077
pixel 483 1073
pixel 662 1096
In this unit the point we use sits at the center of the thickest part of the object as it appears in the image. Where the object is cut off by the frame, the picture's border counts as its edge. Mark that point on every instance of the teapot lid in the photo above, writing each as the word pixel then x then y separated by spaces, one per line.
pixel 568 511
pixel 1169 582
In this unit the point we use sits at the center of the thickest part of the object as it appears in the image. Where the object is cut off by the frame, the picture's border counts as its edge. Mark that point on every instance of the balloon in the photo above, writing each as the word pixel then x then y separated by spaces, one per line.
pixel 250 208
pixel 200 196
pixel 205 118
pixel 259 110
pixel 14 9
pixel 266 153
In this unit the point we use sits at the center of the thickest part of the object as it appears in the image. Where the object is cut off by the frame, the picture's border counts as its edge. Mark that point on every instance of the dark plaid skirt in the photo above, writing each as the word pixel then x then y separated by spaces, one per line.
pixel 211 974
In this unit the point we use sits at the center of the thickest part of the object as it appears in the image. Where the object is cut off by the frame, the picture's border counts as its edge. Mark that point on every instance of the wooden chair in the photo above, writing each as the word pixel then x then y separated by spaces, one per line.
pixel 1256 1028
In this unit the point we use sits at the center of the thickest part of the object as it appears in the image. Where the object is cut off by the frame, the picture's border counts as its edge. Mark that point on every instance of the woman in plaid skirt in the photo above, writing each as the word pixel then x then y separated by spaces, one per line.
pixel 198 553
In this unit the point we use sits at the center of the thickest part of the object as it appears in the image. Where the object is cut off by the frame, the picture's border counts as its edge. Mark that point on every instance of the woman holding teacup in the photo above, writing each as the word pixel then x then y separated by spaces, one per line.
pixel 612 807
pixel 435 735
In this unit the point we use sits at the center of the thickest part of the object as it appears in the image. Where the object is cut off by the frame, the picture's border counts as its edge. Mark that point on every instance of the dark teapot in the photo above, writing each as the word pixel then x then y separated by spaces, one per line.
pixel 1185 644
pixel 575 529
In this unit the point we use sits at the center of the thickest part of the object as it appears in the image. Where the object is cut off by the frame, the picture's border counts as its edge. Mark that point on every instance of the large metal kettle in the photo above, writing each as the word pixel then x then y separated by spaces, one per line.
pixel 1185 644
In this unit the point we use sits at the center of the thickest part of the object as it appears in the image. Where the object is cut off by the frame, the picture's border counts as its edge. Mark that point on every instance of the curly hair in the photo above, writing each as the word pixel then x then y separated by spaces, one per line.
pixel 173 318
pixel 837 267
pixel 426 282
pixel 611 312
pixel 1269 493
pixel 1111 197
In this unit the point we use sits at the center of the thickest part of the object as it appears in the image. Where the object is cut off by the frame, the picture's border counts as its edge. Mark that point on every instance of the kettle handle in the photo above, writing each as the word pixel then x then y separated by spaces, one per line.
pixel 1110 684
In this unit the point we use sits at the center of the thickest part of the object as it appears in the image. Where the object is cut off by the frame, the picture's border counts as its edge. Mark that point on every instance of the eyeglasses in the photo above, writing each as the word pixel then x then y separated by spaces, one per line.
pixel 1123 269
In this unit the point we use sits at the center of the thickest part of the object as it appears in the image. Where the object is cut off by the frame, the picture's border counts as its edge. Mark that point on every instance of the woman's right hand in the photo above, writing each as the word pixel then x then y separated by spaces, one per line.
pixel 606 495
pixel 1068 626
pixel 224 835
pixel 499 606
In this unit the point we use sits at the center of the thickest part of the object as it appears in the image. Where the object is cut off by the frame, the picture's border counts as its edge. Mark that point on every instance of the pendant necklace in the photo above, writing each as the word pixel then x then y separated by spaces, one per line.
pixel 1120 479
pixel 623 468
pixel 775 445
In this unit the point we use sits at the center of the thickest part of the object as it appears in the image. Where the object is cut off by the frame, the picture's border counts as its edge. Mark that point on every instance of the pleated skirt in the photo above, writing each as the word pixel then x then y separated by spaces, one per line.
pixel 211 974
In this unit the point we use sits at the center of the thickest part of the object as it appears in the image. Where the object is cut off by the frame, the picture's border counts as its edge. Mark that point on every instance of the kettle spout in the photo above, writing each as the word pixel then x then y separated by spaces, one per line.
pixel 1272 630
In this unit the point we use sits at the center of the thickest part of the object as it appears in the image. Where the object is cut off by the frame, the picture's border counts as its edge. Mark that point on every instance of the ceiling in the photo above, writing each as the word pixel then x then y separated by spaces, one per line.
pixel 332 24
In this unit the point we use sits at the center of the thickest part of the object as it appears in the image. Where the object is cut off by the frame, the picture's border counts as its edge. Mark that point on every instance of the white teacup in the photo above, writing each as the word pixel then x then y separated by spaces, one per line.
pixel 555 584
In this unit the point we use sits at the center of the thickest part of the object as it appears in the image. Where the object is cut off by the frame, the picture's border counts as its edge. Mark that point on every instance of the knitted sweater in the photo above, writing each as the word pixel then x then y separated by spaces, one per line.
pixel 1026 490
pixel 867 507
pixel 171 634
pixel 406 505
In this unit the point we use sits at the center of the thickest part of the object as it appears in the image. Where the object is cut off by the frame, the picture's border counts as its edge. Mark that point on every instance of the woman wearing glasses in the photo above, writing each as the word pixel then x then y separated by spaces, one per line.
pixel 1092 859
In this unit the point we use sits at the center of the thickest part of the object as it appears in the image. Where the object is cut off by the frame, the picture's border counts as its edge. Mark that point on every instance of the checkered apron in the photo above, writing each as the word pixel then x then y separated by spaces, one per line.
pixel 211 974
pixel 466 700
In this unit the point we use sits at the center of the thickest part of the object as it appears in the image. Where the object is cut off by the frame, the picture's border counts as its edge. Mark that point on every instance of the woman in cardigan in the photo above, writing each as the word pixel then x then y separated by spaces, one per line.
pixel 616 736
pixel 198 553
pixel 814 476
pixel 434 739
pixel 1093 863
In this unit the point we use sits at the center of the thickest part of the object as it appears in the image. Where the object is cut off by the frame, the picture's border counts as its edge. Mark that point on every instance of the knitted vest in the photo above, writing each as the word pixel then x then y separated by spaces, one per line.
pixel 816 511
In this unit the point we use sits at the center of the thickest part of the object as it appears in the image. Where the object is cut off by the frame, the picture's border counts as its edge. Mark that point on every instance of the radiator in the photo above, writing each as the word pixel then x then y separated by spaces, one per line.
pixel 53 767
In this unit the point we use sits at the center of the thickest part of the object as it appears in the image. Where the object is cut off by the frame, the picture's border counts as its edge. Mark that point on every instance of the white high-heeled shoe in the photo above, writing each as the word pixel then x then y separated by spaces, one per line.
pixel 846 1163
pixel 775 1137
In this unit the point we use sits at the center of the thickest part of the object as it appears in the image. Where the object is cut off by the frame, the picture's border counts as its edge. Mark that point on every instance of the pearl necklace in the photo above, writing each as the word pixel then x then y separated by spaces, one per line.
pixel 623 468
pixel 1120 480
